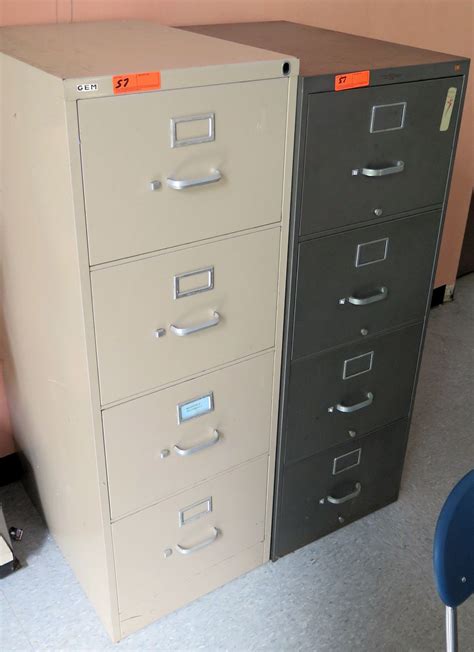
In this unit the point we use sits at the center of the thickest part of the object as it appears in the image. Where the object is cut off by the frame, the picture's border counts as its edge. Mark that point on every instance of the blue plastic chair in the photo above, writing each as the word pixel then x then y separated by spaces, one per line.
pixel 453 554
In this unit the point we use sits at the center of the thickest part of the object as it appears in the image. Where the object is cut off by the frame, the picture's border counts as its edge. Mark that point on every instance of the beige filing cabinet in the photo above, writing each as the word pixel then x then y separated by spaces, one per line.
pixel 146 182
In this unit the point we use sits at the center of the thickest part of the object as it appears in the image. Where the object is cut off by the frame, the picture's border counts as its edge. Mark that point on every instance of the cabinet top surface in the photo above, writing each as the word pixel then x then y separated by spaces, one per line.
pixel 78 50
pixel 323 51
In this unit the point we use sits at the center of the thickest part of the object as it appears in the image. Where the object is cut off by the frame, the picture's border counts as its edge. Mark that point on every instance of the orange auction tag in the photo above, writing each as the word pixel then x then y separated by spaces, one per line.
pixel 136 82
pixel 351 80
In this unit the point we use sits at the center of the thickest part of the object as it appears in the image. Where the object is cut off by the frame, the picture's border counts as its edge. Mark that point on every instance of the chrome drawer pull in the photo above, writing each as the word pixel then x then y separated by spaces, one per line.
pixel 183 452
pixel 181 331
pixel 340 407
pixel 380 172
pixel 199 546
pixel 182 184
pixel 380 295
pixel 344 499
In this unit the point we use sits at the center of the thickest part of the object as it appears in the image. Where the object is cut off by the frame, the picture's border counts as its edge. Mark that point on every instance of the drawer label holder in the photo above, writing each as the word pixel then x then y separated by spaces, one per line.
pixel 346 461
pixel 371 252
pixel 196 407
pixel 203 279
pixel 205 135
pixel 387 117
pixel 360 364
pixel 195 511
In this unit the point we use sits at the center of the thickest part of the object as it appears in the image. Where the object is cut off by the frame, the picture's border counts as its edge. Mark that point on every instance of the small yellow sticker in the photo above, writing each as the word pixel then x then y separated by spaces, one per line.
pixel 448 109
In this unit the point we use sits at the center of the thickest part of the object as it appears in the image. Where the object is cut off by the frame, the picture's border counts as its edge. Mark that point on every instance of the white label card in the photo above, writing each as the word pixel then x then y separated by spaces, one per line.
pixel 195 408
pixel 448 108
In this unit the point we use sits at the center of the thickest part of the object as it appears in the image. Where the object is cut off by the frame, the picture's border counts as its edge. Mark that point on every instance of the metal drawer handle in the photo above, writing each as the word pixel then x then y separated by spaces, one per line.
pixel 380 172
pixel 344 499
pixel 199 546
pixel 380 295
pixel 182 184
pixel 340 407
pixel 183 452
pixel 181 331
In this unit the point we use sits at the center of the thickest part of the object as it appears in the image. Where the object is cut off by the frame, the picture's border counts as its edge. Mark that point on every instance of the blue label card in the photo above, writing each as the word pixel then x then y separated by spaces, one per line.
pixel 195 408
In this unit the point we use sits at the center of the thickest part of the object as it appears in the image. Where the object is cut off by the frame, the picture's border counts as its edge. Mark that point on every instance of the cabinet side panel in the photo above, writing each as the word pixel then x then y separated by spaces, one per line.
pixel 55 420
pixel 280 313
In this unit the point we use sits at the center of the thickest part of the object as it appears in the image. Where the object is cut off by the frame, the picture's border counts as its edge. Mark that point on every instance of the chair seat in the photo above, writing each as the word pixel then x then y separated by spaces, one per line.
pixel 453 554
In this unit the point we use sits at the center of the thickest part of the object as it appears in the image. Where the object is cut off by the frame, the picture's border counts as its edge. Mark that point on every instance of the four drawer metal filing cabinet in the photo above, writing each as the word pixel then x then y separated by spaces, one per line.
pixel 376 131
pixel 146 175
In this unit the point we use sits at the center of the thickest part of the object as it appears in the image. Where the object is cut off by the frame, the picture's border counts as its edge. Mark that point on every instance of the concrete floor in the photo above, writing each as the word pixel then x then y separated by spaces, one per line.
pixel 366 588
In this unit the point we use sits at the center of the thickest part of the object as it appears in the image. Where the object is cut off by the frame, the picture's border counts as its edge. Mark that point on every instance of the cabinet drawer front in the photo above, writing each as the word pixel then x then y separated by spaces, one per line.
pixel 160 549
pixel 164 442
pixel 357 131
pixel 329 490
pixel 350 391
pixel 373 278
pixel 146 337
pixel 235 131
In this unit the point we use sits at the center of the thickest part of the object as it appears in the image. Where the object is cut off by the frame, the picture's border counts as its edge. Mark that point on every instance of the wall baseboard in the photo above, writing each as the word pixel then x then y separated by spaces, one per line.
pixel 466 261
pixel 437 297
pixel 443 294
pixel 10 469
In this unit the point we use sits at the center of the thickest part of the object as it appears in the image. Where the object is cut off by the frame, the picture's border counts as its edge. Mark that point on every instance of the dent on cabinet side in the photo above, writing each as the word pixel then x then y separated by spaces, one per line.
pixel 50 369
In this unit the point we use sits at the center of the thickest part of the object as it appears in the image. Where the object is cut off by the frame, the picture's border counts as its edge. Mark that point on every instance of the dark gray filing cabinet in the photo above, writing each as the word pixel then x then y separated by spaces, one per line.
pixel 371 177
